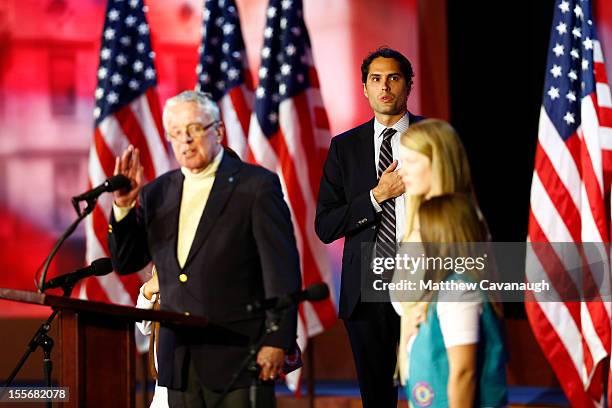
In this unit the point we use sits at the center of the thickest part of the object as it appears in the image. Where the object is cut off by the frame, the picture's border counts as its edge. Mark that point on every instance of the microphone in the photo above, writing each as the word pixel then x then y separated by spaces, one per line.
pixel 99 267
pixel 116 182
pixel 313 293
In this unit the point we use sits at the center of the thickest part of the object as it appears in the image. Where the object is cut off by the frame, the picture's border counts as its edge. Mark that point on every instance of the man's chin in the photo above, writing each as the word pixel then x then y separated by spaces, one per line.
pixel 193 166
pixel 390 110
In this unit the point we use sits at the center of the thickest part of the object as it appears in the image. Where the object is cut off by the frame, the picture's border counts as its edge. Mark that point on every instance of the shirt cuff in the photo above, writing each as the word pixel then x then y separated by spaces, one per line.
pixel 377 206
pixel 143 302
pixel 121 212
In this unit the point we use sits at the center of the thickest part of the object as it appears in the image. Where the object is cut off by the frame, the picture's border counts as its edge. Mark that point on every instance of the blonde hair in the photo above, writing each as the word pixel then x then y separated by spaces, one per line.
pixel 451 225
pixel 450 169
pixel 449 218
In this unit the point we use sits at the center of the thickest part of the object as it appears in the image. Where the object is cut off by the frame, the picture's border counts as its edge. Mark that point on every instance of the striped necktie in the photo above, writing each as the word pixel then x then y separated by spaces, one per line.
pixel 386 243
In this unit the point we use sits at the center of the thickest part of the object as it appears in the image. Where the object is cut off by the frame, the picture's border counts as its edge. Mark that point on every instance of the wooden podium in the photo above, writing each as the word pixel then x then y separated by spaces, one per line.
pixel 97 349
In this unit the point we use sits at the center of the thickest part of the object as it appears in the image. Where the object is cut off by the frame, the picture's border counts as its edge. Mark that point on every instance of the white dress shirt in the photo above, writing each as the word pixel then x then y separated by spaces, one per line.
pixel 400 212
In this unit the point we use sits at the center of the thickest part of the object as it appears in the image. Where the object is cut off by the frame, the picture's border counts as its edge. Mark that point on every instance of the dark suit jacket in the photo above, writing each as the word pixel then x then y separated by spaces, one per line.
pixel 344 208
pixel 244 250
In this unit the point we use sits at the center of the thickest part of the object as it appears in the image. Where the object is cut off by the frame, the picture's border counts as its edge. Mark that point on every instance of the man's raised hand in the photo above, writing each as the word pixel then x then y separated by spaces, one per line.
pixel 129 165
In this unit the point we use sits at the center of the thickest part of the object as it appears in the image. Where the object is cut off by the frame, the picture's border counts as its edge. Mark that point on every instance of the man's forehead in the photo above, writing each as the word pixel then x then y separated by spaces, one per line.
pixel 187 109
pixel 385 72
pixel 384 66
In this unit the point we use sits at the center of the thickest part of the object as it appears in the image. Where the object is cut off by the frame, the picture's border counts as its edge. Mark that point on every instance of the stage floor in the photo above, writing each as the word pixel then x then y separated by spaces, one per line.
pixel 345 391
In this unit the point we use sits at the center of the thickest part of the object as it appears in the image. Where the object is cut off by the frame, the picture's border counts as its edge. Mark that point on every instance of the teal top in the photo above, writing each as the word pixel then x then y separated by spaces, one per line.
pixel 428 371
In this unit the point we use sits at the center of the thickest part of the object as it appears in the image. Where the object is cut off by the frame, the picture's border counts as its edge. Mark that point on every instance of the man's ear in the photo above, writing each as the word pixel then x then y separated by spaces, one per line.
pixel 365 91
pixel 220 132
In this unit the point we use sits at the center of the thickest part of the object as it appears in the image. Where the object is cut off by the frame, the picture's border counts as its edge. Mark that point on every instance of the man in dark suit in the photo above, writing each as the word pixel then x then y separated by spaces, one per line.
pixel 360 199
pixel 220 235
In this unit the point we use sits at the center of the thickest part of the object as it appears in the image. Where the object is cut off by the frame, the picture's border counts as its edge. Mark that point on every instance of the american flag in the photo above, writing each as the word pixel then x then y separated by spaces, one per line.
pixel 127 112
pixel 223 71
pixel 569 197
pixel 289 134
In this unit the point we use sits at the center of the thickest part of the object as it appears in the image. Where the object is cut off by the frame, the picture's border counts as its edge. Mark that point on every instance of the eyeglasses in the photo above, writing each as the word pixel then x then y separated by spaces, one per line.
pixel 194 130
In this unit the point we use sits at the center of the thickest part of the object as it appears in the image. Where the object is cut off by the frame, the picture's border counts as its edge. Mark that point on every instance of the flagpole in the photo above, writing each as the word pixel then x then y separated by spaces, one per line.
pixel 311 373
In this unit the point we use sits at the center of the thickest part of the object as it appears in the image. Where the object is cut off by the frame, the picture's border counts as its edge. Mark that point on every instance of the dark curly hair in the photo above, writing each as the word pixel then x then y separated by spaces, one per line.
pixel 386 52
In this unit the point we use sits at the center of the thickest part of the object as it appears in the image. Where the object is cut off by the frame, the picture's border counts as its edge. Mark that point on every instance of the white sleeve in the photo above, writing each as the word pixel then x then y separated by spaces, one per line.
pixel 398 308
pixel 460 321
pixel 375 204
pixel 144 303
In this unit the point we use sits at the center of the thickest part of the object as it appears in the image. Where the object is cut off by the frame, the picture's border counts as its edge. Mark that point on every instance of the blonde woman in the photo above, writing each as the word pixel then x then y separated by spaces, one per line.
pixel 433 162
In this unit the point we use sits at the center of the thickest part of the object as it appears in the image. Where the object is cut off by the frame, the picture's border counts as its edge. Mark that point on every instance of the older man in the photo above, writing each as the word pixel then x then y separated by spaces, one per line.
pixel 220 235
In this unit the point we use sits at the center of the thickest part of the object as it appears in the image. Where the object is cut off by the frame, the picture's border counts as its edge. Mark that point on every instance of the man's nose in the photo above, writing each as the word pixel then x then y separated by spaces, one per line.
pixel 186 138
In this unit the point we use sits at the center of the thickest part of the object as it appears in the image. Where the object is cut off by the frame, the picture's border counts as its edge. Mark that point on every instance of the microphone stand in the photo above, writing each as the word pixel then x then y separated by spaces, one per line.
pixel 91 204
pixel 41 338
pixel 45 342
pixel 249 363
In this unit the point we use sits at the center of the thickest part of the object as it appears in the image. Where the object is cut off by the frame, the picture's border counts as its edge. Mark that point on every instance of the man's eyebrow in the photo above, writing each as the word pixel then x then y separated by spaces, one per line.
pixel 380 74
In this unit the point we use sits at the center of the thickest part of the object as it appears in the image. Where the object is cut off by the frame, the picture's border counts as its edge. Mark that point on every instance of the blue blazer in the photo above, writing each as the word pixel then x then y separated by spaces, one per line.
pixel 344 209
pixel 244 250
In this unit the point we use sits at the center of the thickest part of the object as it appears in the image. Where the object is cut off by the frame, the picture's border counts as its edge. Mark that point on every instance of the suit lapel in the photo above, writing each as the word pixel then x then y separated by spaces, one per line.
pixel 365 136
pixel 223 186
pixel 174 189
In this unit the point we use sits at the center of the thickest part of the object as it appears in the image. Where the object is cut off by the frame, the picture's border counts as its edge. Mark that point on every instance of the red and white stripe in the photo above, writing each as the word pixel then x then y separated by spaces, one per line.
pixel 139 124
pixel 236 107
pixel 296 153
pixel 570 180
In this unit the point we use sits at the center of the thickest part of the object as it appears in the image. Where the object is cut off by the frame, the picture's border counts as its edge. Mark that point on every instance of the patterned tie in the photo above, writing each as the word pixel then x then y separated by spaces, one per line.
pixel 385 236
